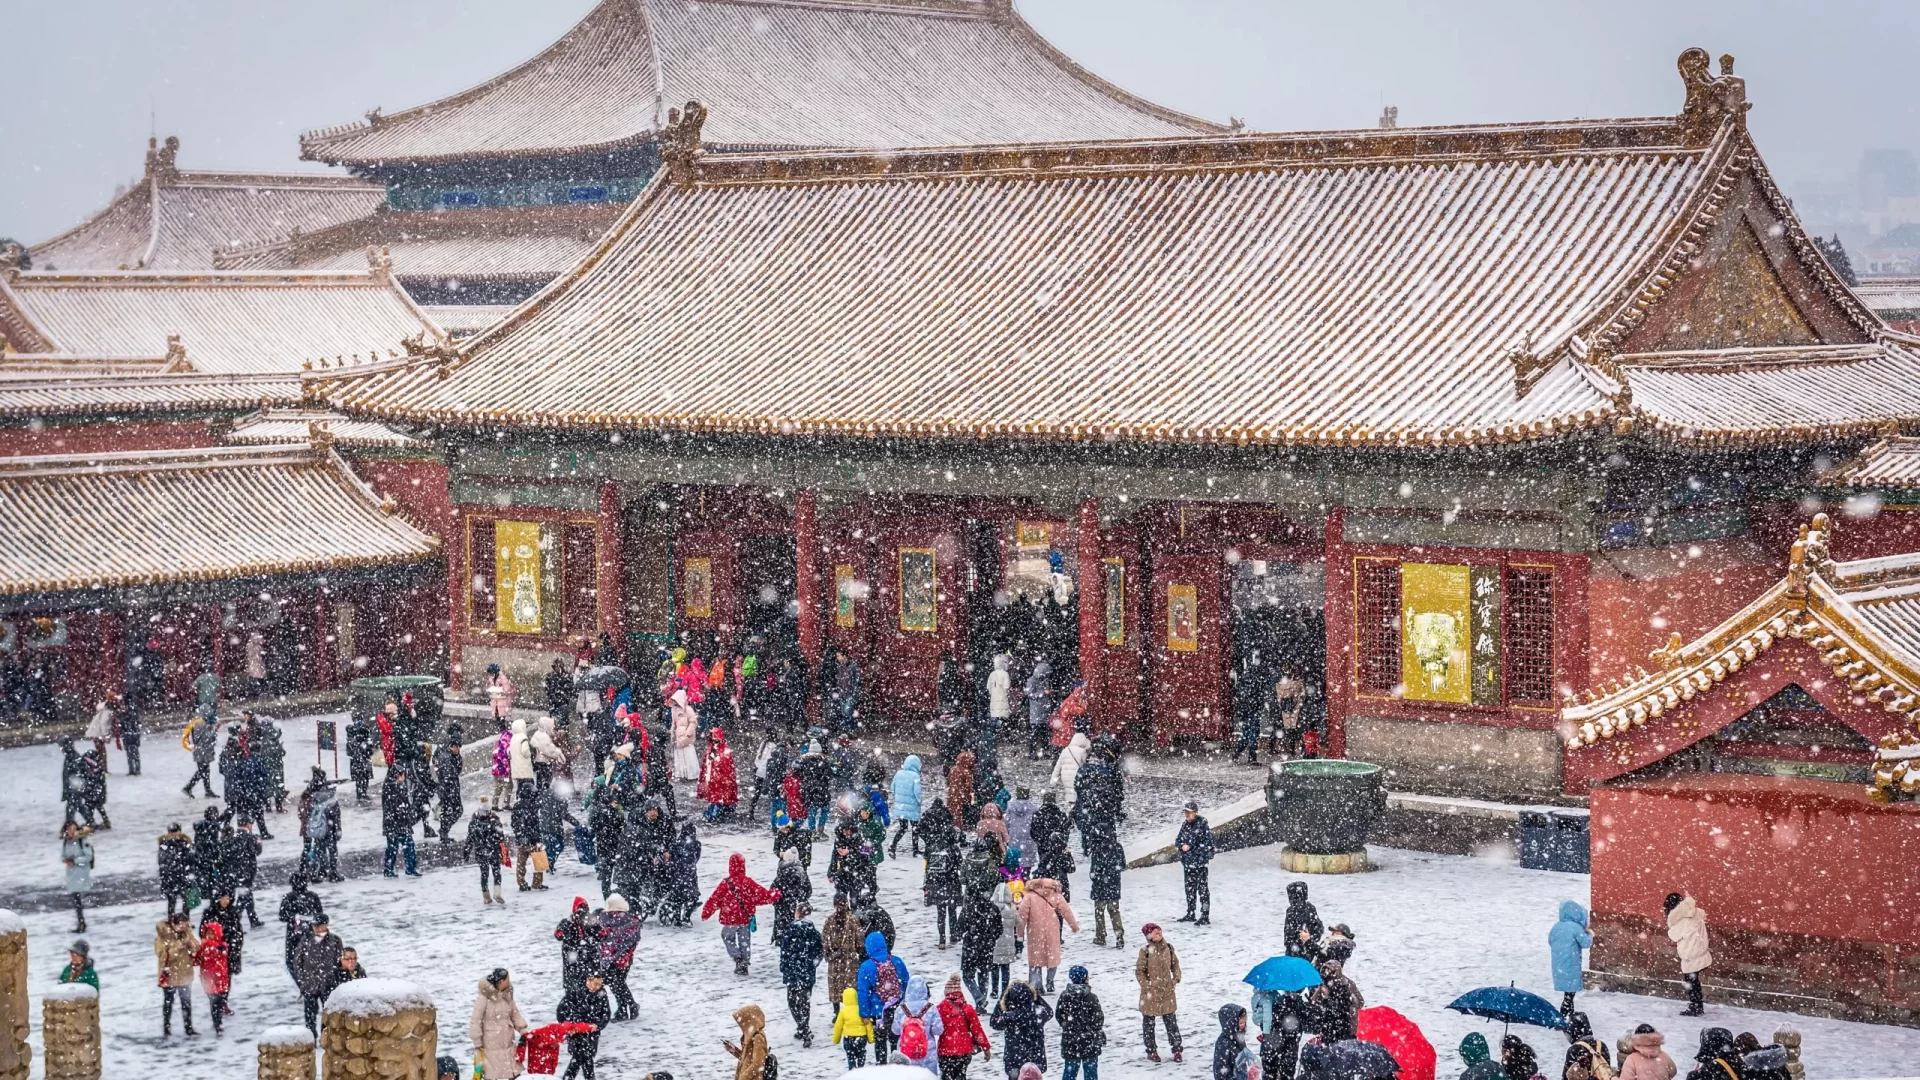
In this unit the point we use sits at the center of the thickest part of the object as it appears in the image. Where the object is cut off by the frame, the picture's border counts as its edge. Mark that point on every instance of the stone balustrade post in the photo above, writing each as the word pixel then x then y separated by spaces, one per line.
pixel 70 1032
pixel 1790 1039
pixel 286 1053
pixel 379 1029
pixel 16 1057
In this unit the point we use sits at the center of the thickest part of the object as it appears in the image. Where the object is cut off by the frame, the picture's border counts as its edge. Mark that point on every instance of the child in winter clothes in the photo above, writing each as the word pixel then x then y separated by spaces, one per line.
pixel 1083 1026
pixel 1022 1014
pixel 215 977
pixel 79 967
pixel 502 798
pixel 753 1056
pixel 1006 948
pixel 1232 1060
pixel 905 805
pixel 1648 1059
pixel 735 899
pixel 851 1030
pixel 961 1034
pixel 882 983
pixel 917 1026
pixel 1687 928
pixel 584 1004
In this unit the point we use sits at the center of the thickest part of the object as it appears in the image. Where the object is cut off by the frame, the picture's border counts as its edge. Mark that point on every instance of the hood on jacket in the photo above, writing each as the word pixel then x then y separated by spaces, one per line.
pixel 1684 910
pixel 1000 663
pixel 990 812
pixel 1572 912
pixel 520 726
pixel 912 764
pixel 213 933
pixel 1043 668
pixel 1767 1059
pixel 1715 1042
pixel 1230 1016
pixel 1649 1043
pixel 492 992
pixel 751 1019
pixel 1296 892
pixel 546 725
pixel 850 999
pixel 1046 887
pixel 1002 894
pixel 1019 998
pixel 876 946
pixel 915 998
pixel 736 866
pixel 1473 1048
pixel 1080 741
pixel 580 907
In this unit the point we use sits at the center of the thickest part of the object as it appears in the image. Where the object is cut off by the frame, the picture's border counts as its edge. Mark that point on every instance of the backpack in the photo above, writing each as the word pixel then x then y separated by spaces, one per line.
pixel 913 1035
pixel 886 983
pixel 317 821
pixel 1601 1069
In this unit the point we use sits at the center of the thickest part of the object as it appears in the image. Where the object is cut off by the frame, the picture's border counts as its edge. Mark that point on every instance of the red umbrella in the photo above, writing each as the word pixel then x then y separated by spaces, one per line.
pixel 1402 1038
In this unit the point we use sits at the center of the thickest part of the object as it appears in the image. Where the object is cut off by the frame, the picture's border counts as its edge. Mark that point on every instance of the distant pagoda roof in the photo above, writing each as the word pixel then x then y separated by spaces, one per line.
pixel 775 74
pixel 1417 286
pixel 177 220
pixel 215 323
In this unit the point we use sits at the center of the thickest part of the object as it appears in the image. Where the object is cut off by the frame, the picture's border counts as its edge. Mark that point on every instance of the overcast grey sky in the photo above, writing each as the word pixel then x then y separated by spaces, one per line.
pixel 238 80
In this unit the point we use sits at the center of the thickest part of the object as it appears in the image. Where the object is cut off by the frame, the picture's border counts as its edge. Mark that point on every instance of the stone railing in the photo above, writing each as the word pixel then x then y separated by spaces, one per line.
pixel 379 1029
pixel 70 1031
pixel 286 1053
pixel 16 1057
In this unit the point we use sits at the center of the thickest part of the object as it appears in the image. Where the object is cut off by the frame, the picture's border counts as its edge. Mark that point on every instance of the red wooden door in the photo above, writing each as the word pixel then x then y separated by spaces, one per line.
pixel 1187 640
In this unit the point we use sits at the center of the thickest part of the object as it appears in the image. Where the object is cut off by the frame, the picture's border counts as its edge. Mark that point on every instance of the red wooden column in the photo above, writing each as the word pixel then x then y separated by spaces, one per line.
pixel 218 652
pixel 1340 613
pixel 1093 601
pixel 609 582
pixel 113 652
pixel 459 587
pixel 806 571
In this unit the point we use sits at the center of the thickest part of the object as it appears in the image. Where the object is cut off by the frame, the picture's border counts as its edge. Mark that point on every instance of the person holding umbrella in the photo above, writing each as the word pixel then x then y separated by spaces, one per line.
pixel 1279 1011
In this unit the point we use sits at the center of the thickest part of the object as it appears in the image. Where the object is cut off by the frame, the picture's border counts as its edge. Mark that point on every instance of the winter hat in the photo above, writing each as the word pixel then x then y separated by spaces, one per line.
pixel 953 983
pixel 1030 1071
pixel 1077 973
pixel 616 902
pixel 1341 929
pixel 446 1066
pixel 1191 807
pixel 80 946
pixel 1473 1048
pixel 493 669
pixel 1148 929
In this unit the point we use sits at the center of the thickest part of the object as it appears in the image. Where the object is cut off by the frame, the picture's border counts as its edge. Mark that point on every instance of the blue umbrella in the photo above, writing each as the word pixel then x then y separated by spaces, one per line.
pixel 1285 974
pixel 1509 1006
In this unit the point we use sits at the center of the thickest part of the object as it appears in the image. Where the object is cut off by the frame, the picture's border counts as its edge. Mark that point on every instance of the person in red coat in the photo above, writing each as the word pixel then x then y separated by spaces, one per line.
pixel 735 899
pixel 795 805
pixel 215 978
pixel 719 786
pixel 961 1035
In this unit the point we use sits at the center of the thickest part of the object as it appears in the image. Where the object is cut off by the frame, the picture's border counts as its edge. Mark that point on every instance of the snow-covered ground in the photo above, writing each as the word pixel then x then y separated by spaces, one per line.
pixel 1429 927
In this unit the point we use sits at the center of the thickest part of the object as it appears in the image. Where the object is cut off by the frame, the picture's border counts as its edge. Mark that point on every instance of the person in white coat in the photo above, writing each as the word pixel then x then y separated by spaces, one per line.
pixel 999 690
pixel 496 1026
pixel 546 752
pixel 1687 928
pixel 1066 768
pixel 520 760
pixel 686 727
pixel 100 728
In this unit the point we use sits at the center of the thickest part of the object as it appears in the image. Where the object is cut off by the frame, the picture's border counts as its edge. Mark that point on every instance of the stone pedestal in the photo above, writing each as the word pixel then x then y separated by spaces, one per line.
pixel 70 1031
pixel 379 1029
pixel 286 1053
pixel 1303 862
pixel 1790 1039
pixel 16 1057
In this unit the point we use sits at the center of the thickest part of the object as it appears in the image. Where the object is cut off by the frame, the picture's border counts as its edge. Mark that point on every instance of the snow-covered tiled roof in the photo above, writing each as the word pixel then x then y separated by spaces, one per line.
pixel 466 320
pixel 270 426
pixel 1890 464
pixel 528 243
pixel 178 220
pixel 1890 297
pixel 150 517
pixel 774 73
pixel 109 390
pixel 226 322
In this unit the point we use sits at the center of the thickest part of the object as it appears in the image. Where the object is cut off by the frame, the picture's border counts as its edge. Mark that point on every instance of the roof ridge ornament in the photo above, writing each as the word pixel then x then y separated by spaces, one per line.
pixel 680 142
pixel 162 159
pixel 12 255
pixel 1710 101
pixel 424 346
pixel 380 262
pixel 1810 556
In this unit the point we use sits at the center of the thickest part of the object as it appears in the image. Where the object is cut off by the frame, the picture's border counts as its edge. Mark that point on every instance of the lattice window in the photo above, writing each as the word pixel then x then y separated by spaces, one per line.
pixel 1529 634
pixel 480 567
pixel 1377 619
pixel 579 578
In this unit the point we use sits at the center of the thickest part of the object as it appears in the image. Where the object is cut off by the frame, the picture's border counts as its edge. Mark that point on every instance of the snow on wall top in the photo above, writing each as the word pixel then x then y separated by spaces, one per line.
pixel 774 73
pixel 11 922
pixel 378 996
pixel 286 1035
pixel 71 992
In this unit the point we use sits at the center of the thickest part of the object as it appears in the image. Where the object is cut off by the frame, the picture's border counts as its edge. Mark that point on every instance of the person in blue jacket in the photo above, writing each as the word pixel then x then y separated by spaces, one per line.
pixel 881 985
pixel 1567 938
pixel 906 805
pixel 1195 844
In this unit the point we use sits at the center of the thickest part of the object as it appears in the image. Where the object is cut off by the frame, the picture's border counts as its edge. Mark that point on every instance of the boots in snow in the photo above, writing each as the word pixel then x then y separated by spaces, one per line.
pixel 1153 1055
pixel 739 967
pixel 485 896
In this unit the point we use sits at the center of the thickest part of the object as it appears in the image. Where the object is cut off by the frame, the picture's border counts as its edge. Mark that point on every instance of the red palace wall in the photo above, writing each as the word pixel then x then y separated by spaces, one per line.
pixel 1808 887
pixel 23 441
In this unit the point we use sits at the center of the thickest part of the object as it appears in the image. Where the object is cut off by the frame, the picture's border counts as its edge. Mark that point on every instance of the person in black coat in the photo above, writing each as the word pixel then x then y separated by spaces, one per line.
pixel 1106 859
pixel 936 825
pixel 298 909
pixel 683 877
pixel 233 926
pixel 646 852
pixel 1054 857
pixel 795 889
pixel 126 718
pixel 1022 1017
pixel 446 784
pixel 1280 1046
pixel 579 945
pixel 874 918
pixel 851 869
pixel 1195 844
pixel 980 927
pixel 584 1004
pixel 396 819
pixel 1083 1024
pixel 1099 796
pixel 240 862
pixel 176 866
pixel 1301 929
pixel 1231 1041
pixel 559 687
pixel 361 741
pixel 801 949
pixel 942 890
pixel 484 841
pixel 206 849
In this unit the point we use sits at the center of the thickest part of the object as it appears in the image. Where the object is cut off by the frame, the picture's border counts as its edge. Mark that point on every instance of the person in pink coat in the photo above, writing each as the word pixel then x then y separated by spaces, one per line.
pixel 1041 910
pixel 686 725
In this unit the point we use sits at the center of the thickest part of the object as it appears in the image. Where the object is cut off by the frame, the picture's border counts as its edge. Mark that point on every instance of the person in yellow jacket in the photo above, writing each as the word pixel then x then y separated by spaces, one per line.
pixel 851 1030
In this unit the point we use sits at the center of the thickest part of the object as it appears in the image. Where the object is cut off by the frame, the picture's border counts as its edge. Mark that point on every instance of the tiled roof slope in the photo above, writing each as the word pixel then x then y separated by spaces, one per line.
pixel 226 322
pixel 270 426
pixel 1418 286
pixel 522 243
pixel 177 220
pixel 27 391
pixel 1890 297
pixel 152 517
pixel 775 73
pixel 1889 464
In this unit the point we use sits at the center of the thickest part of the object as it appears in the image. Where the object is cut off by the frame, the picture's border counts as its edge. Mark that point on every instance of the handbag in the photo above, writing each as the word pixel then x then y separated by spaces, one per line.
pixel 541 864
pixel 479 1065
pixel 506 856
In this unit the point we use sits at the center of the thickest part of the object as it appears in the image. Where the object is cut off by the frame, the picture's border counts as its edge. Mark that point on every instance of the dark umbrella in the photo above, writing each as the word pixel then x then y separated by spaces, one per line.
pixel 603 677
pixel 1349 1059
pixel 1509 1006
pixel 1286 974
